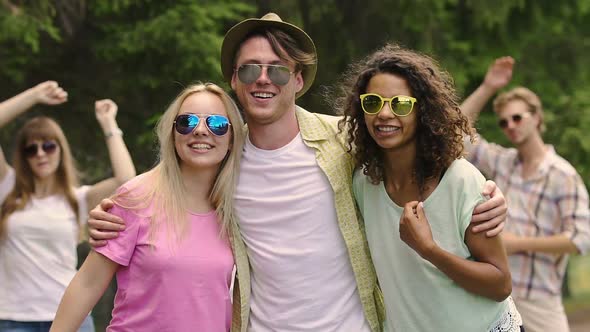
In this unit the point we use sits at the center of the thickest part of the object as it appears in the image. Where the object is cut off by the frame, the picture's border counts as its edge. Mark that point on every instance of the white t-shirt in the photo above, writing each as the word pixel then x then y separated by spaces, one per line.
pixel 302 278
pixel 38 256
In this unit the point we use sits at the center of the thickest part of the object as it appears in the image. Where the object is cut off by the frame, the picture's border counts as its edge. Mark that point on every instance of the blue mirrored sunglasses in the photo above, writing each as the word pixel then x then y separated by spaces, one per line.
pixel 218 125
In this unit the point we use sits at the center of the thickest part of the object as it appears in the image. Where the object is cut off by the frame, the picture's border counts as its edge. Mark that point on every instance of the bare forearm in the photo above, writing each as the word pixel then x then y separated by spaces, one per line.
pixel 121 162
pixel 479 278
pixel 556 244
pixel 475 102
pixel 75 305
pixel 3 165
pixel 15 106
pixel 83 292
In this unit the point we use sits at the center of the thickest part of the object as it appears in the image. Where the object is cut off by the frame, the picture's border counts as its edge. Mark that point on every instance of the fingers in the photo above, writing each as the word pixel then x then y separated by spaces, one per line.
pixel 51 93
pixel 47 85
pixel 497 230
pixel 410 209
pixel 505 61
pixel 496 205
pixel 96 243
pixel 420 211
pixel 488 188
pixel 492 227
pixel 103 225
pixel 98 235
pixel 105 105
pixel 60 94
pixel 99 215
pixel 105 205
pixel 107 222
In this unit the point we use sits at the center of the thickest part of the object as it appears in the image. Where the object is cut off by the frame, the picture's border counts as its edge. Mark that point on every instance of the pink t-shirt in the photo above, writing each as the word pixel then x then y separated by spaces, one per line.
pixel 170 287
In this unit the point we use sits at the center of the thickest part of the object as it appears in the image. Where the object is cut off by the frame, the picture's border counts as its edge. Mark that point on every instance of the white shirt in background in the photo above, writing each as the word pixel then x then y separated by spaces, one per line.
pixel 38 256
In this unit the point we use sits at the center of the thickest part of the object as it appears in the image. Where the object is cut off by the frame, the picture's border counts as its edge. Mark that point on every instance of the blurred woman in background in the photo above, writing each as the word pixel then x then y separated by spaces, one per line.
pixel 43 208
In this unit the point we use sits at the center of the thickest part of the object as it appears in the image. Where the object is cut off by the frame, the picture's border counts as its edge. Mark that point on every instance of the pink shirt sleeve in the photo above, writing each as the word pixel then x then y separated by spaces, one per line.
pixel 120 249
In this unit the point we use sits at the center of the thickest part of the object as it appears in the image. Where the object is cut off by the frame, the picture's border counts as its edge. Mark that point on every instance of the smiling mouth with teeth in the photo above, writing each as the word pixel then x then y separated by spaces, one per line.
pixel 200 146
pixel 264 95
pixel 387 128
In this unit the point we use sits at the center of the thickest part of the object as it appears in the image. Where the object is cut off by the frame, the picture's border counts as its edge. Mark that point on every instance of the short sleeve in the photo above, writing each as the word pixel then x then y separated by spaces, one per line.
pixel 471 185
pixel 120 249
pixel 7 184
pixel 81 194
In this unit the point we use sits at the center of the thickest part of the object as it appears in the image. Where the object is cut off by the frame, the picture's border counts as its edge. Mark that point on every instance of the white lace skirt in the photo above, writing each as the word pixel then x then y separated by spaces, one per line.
pixel 510 320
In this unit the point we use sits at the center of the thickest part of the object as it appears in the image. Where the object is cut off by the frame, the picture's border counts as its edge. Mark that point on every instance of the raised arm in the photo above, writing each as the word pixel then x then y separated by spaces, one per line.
pixel 488 276
pixel 498 76
pixel 121 163
pixel 3 165
pixel 49 93
pixel 83 292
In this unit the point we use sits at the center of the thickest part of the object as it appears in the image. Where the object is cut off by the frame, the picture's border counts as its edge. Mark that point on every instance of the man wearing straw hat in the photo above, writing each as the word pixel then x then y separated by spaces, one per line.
pixel 310 268
pixel 301 254
pixel 309 265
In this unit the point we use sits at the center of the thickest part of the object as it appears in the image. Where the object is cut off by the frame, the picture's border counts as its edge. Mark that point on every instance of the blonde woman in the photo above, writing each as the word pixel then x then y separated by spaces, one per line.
pixel 173 261
pixel 42 206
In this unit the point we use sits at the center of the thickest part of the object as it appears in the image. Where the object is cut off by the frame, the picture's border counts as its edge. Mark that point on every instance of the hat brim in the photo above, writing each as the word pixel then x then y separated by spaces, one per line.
pixel 235 36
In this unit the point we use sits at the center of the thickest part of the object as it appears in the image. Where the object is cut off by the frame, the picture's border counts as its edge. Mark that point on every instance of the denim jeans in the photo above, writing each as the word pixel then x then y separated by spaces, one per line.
pixel 14 326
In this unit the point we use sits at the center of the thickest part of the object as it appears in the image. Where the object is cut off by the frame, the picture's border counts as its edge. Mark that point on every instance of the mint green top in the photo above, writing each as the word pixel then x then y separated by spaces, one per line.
pixel 418 296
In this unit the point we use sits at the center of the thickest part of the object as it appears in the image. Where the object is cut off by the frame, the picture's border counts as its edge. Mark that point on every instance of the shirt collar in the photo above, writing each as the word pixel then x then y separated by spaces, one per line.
pixel 310 127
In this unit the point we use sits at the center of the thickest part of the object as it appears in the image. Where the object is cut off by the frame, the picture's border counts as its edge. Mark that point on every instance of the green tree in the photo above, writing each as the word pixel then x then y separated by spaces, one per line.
pixel 138 52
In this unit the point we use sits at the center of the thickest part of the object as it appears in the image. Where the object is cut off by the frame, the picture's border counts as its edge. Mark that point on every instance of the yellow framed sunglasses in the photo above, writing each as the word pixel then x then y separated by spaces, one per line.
pixel 400 105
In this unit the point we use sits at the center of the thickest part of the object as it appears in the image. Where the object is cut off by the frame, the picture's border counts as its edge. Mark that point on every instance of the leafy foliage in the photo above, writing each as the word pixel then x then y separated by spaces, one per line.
pixel 141 52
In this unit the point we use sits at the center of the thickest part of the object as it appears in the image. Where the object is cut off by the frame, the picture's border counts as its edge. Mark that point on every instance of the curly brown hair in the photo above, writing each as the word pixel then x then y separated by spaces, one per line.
pixel 441 126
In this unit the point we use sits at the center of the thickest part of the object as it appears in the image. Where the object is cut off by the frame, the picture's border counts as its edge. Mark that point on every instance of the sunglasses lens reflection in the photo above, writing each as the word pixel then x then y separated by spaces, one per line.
pixel 249 73
pixel 279 75
pixel 218 124
pixel 185 123
pixel 402 106
pixel 372 104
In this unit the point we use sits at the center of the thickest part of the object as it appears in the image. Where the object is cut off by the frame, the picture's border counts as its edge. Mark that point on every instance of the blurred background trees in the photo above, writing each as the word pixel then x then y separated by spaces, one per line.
pixel 142 52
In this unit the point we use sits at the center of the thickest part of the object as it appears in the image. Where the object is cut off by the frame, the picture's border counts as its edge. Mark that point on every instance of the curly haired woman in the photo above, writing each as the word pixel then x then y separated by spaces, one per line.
pixel 417 195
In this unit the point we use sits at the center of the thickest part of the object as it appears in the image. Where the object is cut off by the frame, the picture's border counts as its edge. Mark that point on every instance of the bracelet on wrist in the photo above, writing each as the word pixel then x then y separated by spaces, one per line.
pixel 113 132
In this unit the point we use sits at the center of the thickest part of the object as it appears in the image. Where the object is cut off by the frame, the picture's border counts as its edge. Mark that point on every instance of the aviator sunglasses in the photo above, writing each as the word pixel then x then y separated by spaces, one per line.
pixel 516 118
pixel 372 103
pixel 48 147
pixel 250 72
pixel 218 125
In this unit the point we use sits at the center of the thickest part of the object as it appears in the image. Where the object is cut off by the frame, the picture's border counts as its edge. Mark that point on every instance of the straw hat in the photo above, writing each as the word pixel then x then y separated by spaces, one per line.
pixel 235 36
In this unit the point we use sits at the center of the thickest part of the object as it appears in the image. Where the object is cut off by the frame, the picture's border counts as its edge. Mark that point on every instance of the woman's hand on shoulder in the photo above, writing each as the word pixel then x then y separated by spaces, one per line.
pixel 102 225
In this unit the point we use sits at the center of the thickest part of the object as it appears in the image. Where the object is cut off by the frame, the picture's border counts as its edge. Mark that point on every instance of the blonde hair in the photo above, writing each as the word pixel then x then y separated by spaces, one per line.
pixel 167 190
pixel 528 97
pixel 39 128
